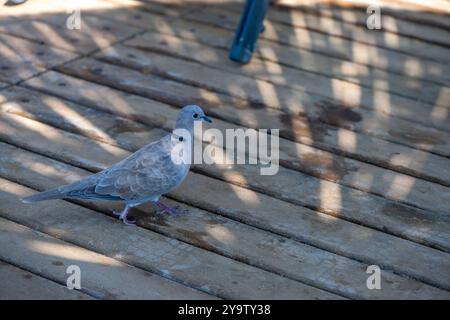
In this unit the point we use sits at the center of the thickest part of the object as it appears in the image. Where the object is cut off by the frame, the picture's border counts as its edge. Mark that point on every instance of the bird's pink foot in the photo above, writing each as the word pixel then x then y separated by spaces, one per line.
pixel 123 216
pixel 173 211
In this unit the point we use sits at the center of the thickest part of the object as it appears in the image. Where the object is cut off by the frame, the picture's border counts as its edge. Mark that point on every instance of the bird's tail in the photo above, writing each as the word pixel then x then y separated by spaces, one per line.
pixel 46 195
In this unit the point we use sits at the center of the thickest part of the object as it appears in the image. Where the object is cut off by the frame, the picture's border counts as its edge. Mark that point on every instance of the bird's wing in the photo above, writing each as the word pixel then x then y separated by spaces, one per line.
pixel 84 189
pixel 148 172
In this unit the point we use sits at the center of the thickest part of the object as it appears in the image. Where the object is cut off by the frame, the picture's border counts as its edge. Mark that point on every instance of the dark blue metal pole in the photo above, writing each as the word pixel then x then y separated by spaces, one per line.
pixel 250 26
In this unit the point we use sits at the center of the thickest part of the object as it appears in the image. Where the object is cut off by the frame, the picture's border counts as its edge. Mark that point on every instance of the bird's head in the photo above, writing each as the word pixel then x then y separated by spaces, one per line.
pixel 188 115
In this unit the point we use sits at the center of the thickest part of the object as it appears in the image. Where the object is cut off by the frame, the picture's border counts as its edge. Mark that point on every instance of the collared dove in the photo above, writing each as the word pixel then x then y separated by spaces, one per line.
pixel 143 176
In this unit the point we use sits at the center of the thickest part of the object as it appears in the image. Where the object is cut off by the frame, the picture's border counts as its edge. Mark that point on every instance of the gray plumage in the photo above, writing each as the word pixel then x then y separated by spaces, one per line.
pixel 143 176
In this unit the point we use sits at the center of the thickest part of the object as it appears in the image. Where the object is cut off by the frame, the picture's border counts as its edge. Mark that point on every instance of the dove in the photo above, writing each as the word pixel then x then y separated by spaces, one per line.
pixel 143 176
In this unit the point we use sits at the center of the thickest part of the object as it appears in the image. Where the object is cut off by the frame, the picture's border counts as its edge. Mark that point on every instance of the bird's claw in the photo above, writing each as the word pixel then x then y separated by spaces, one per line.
pixel 123 216
pixel 128 222
pixel 117 214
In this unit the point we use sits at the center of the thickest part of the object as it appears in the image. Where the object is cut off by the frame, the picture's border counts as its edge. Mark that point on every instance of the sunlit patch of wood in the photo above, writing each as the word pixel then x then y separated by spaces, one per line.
pixel 67 252
pixel 403 185
pixel 221 233
pixel 347 140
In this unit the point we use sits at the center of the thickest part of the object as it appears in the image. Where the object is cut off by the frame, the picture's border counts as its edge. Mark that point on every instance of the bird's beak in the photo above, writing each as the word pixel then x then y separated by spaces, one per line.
pixel 205 118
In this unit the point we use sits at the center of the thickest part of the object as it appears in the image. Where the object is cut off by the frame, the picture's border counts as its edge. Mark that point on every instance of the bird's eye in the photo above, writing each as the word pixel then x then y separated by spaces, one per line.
pixel 195 116
pixel 180 139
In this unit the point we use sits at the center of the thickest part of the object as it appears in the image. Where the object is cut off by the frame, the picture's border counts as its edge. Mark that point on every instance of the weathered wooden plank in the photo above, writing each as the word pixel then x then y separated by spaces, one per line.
pixel 18 284
pixel 94 34
pixel 368 64
pixel 296 37
pixel 435 18
pixel 21 59
pixel 151 251
pixel 294 78
pixel 431 6
pixel 89 122
pixel 47 8
pixel 307 130
pixel 172 8
pixel 353 94
pixel 346 22
pixel 101 276
pixel 392 24
pixel 216 58
pixel 316 222
pixel 72 148
pixel 280 97
pixel 283 255
pixel 427 10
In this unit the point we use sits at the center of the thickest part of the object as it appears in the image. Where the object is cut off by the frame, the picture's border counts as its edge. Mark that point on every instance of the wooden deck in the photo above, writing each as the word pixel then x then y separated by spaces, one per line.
pixel 364 150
